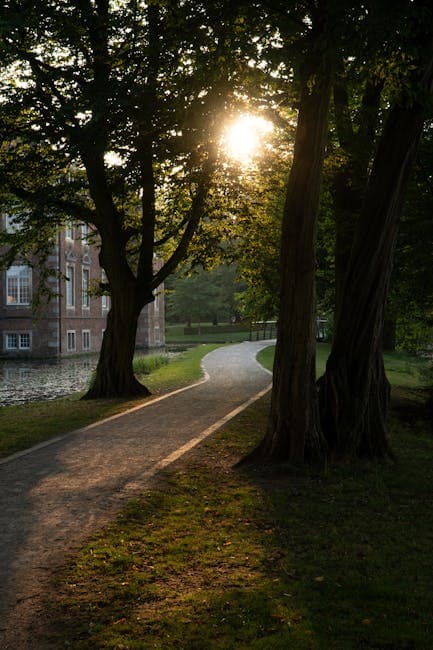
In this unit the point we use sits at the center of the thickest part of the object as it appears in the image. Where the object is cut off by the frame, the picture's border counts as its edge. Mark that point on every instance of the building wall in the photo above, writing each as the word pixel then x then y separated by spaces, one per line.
pixel 73 322
pixel 151 324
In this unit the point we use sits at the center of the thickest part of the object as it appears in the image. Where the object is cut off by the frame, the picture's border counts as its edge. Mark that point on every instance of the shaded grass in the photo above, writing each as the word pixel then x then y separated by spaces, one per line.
pixel 402 368
pixel 266 356
pixel 223 558
pixel 28 424
pixel 175 334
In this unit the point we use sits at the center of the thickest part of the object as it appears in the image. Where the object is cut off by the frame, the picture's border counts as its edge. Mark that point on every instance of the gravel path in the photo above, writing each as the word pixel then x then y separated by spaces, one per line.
pixel 56 495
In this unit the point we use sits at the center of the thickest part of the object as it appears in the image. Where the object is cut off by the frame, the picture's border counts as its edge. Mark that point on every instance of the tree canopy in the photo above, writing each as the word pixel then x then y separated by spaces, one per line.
pixel 122 104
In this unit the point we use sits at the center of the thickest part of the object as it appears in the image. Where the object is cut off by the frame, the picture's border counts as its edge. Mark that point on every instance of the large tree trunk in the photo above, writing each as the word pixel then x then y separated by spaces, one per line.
pixel 354 392
pixel 294 433
pixel 356 140
pixel 114 373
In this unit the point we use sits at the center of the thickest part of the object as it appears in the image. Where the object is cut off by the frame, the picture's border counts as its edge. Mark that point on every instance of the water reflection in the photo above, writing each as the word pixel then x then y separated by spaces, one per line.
pixel 34 380
pixel 26 381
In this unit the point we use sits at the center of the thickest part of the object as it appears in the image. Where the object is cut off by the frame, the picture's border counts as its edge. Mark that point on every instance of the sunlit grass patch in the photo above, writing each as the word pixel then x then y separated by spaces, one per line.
pixel 147 363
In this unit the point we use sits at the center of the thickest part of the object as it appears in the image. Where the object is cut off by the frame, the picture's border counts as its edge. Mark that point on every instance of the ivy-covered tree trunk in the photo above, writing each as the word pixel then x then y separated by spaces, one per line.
pixel 354 392
pixel 293 433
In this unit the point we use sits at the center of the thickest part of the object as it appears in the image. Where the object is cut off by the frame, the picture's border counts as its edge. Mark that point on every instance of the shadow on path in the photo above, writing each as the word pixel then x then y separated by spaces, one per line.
pixel 54 497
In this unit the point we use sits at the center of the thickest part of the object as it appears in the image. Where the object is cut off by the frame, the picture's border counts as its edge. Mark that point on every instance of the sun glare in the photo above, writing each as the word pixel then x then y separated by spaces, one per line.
pixel 244 137
pixel 112 159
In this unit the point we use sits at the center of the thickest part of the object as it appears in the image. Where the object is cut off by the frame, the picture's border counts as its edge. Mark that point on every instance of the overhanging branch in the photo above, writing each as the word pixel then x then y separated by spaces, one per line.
pixel 195 213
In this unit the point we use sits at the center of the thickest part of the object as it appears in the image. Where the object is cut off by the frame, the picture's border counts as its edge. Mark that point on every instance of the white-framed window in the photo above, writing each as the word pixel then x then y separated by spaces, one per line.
pixel 25 341
pixel 105 300
pixel 156 303
pixel 70 286
pixel 85 287
pixel 11 341
pixel 18 285
pixel 18 341
pixel 85 234
pixel 69 231
pixel 70 341
pixel 157 335
pixel 12 224
pixel 85 338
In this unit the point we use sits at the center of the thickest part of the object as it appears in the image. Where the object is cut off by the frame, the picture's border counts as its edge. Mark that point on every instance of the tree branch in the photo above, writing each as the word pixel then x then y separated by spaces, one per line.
pixel 69 208
pixel 196 212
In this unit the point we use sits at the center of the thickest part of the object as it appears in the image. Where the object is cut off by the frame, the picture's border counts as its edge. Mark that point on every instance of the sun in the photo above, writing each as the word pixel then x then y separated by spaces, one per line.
pixel 243 137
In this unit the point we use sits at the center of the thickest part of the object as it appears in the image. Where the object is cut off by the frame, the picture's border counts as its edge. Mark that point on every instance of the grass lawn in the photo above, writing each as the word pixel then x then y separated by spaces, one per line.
pixel 175 334
pixel 27 424
pixel 223 558
pixel 402 369
pixel 218 557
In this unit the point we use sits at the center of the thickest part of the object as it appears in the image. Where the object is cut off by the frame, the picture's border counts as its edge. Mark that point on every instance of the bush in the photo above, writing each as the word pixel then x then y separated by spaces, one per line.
pixel 145 364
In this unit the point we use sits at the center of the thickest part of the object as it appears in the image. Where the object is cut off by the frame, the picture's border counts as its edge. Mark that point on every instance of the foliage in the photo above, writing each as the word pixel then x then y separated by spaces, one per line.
pixel 219 334
pixel 376 67
pixel 411 297
pixel 258 244
pixel 203 295
pixel 145 364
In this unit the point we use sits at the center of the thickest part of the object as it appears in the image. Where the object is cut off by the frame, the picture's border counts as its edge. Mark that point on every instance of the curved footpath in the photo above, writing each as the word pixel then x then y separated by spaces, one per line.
pixel 56 494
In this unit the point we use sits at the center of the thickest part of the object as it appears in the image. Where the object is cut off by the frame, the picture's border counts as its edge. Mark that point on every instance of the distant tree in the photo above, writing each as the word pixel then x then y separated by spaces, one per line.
pixel 257 245
pixel 203 296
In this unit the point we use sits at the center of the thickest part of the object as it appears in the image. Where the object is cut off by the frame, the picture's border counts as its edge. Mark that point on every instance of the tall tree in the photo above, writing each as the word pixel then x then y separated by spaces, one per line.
pixel 138 83
pixel 354 389
pixel 293 432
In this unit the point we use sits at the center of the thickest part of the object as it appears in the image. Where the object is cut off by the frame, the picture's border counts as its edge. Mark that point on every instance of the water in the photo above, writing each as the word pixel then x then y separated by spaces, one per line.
pixel 28 381
pixel 36 380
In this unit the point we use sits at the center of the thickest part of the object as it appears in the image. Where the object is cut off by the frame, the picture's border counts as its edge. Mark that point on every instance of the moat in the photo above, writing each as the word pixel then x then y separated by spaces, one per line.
pixel 24 381
pixel 32 380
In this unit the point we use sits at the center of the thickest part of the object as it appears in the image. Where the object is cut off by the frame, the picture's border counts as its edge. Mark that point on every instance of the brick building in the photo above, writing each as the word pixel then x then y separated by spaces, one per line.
pixel 74 321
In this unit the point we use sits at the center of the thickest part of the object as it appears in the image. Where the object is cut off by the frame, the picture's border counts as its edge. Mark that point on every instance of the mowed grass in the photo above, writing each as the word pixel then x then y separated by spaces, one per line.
pixel 28 424
pixel 175 334
pixel 218 557
pixel 223 558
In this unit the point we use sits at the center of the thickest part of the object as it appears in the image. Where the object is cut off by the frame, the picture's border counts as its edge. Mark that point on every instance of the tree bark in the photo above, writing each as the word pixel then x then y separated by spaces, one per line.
pixel 356 140
pixel 293 433
pixel 354 391
pixel 114 373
